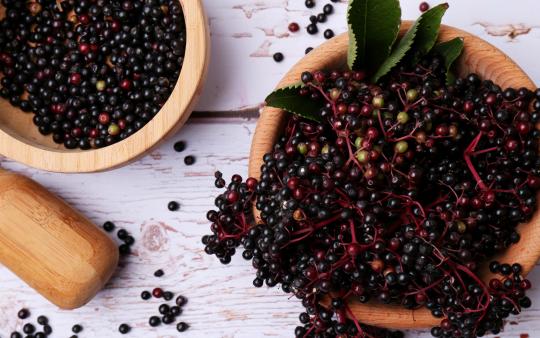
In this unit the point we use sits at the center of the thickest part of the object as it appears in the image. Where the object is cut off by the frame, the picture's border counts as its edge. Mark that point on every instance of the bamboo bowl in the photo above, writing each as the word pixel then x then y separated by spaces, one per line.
pixel 21 141
pixel 479 57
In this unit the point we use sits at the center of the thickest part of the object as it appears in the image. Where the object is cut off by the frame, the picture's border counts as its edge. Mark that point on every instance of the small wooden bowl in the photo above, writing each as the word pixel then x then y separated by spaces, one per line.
pixel 478 57
pixel 21 141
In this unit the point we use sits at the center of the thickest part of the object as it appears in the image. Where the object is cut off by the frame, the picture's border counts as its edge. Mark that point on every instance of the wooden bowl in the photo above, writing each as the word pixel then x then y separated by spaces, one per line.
pixel 21 141
pixel 478 57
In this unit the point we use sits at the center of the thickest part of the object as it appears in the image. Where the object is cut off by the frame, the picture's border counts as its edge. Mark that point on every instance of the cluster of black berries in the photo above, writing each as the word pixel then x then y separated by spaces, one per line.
pixel 92 72
pixel 398 193
pixel 30 330
pixel 312 28
pixel 168 313
pixel 123 235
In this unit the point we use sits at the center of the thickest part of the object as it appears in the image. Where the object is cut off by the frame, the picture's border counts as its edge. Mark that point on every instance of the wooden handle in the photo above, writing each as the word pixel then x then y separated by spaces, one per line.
pixel 49 245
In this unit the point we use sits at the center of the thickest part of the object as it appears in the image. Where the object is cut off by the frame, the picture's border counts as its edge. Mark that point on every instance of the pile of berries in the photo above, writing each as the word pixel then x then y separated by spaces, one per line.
pixel 168 314
pixel 92 72
pixel 399 193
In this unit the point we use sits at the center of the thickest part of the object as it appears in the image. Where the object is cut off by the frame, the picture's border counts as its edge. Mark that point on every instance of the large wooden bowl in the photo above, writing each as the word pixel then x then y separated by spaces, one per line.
pixel 21 141
pixel 479 57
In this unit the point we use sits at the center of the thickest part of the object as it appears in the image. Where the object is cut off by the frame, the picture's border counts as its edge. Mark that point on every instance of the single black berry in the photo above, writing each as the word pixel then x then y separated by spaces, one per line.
pixel 29 328
pixel 124 328
pixel 175 311
pixel 328 34
pixel 328 9
pixel 77 328
pixel 167 319
pixel 167 295
pixel 189 160
pixel 124 249
pixel 173 206
pixel 47 329
pixel 42 320
pixel 179 146
pixel 181 300
pixel 23 314
pixel 108 226
pixel 122 234
pixel 146 295
pixel 278 57
pixel 312 29
pixel 154 321
pixel 182 326
pixel 164 309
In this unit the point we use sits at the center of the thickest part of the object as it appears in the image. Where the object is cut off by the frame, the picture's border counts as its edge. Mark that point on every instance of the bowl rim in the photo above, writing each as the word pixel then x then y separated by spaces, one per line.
pixel 167 121
pixel 479 56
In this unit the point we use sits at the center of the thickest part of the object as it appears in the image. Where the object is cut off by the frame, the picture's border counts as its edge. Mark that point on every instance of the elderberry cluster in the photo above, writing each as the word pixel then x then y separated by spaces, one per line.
pixel 92 72
pixel 396 195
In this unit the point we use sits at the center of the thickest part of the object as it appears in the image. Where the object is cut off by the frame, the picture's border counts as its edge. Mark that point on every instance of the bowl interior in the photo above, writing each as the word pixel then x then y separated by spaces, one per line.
pixel 21 140
pixel 478 57
pixel 19 124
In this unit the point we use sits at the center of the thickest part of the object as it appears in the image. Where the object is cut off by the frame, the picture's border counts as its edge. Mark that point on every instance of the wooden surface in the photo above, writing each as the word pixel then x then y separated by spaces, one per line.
pixel 50 246
pixel 222 302
pixel 21 141
pixel 478 57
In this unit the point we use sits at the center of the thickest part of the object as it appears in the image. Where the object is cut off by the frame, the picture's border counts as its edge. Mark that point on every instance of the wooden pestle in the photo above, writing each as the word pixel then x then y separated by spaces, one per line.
pixel 51 246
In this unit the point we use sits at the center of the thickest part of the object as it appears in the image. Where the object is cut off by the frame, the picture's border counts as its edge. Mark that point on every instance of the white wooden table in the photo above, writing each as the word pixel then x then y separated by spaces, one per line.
pixel 222 301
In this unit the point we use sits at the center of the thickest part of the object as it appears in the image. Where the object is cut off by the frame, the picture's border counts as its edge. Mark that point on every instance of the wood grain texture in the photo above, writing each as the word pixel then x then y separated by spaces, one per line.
pixel 21 141
pixel 478 57
pixel 52 247
pixel 222 300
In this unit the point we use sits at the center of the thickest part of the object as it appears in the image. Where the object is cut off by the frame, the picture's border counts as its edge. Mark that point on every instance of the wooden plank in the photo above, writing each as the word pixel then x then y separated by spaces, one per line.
pixel 245 34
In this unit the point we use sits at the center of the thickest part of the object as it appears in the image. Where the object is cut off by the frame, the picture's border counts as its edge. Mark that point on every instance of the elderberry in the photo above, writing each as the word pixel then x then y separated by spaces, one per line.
pixel 401 192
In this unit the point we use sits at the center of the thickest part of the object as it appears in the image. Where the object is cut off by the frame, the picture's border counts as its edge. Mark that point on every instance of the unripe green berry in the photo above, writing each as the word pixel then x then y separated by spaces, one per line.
pixel 401 147
pixel 403 117
pixel 378 102
pixel 302 148
pixel 358 141
pixel 461 227
pixel 100 85
pixel 114 129
pixel 362 156
pixel 412 94
pixel 325 149
pixel 334 94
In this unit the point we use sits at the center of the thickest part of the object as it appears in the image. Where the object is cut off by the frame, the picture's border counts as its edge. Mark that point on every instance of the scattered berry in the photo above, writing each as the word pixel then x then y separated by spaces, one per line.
pixel 278 57
pixel 294 27
pixel 173 206
pixel 328 34
pixel 108 226
pixel 124 328
pixel 179 146
pixel 189 160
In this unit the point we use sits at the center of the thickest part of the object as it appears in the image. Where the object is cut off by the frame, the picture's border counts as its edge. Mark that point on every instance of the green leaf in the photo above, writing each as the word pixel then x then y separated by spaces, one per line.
pixel 429 24
pixel 398 53
pixel 450 51
pixel 373 29
pixel 289 99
